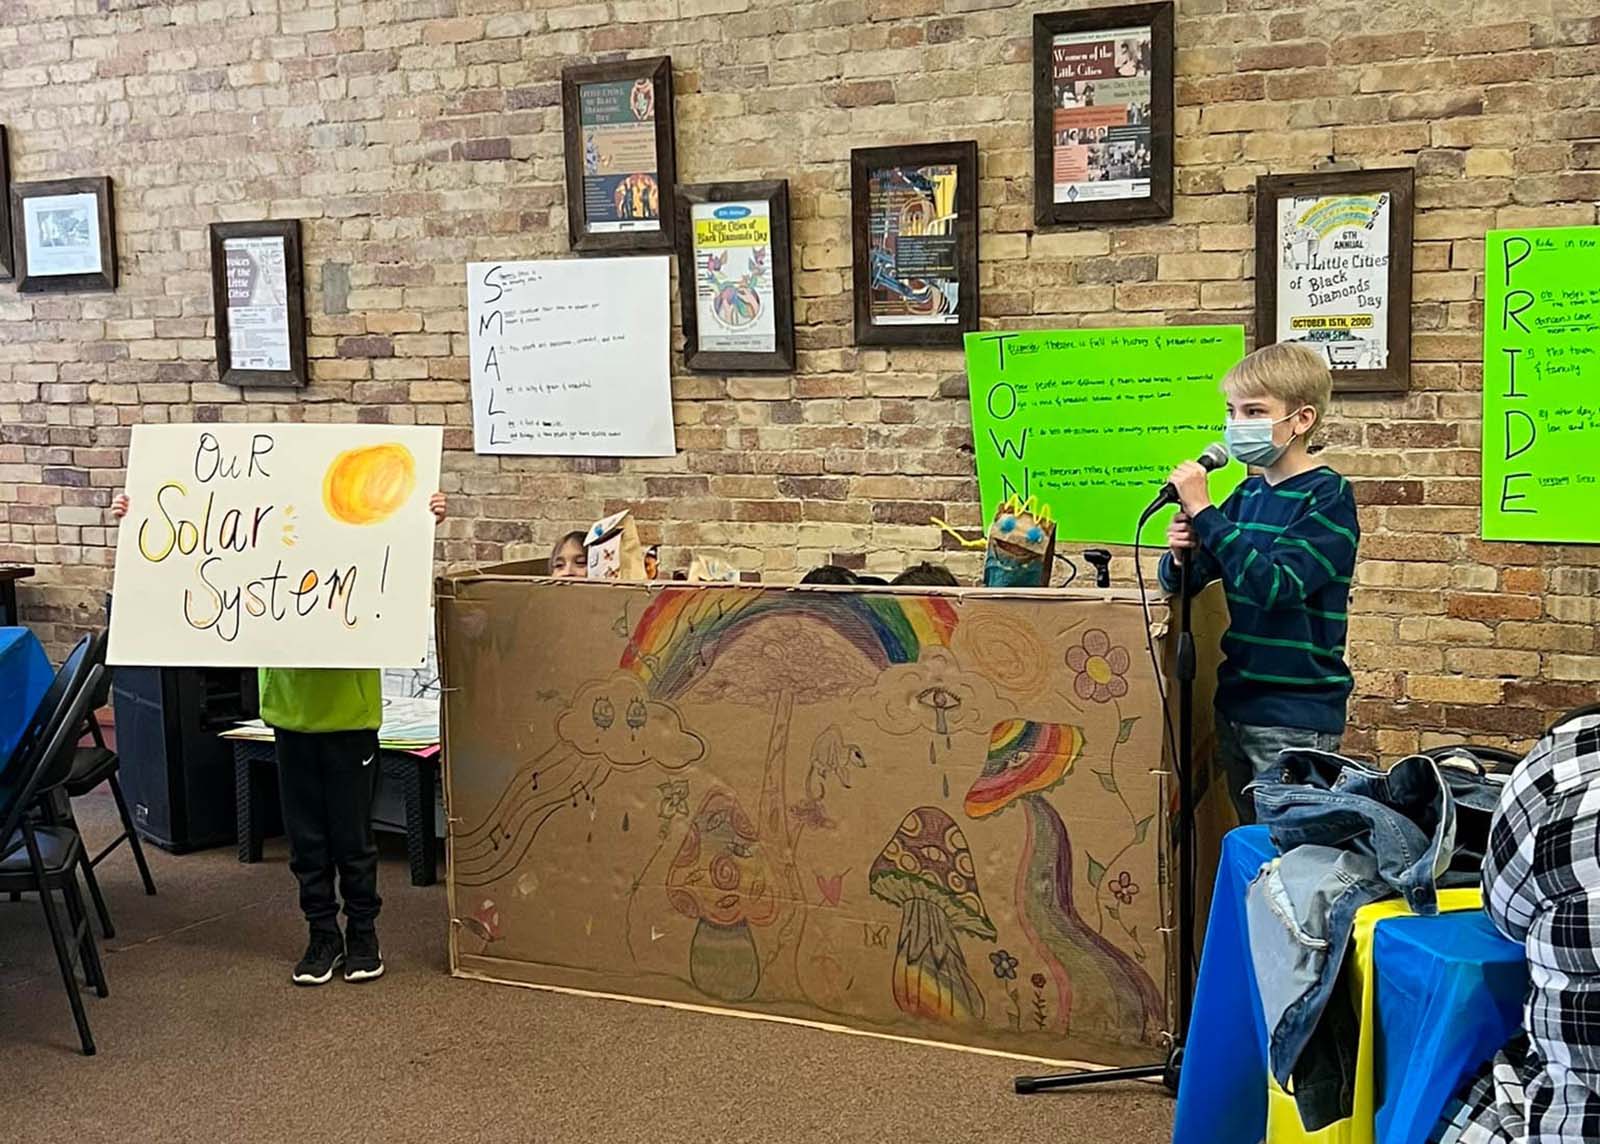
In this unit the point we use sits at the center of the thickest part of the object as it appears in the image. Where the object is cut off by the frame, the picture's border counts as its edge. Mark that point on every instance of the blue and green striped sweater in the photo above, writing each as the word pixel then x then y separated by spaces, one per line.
pixel 1285 554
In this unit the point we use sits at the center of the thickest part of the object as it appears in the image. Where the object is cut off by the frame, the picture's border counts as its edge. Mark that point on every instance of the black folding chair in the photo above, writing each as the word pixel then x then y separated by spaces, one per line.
pixel 42 858
pixel 92 765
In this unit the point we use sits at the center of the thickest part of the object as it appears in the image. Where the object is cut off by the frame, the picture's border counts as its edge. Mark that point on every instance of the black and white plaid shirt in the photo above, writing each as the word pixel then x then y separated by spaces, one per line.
pixel 1541 886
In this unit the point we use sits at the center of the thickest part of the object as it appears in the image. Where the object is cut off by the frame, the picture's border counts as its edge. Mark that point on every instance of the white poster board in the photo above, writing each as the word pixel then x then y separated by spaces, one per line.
pixel 570 358
pixel 276 546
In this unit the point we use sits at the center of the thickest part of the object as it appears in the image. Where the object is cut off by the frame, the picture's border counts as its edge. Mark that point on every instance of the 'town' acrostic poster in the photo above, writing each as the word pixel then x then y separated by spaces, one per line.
pixel 276 546
pixel 1090 422
pixel 569 357
pixel 1541 385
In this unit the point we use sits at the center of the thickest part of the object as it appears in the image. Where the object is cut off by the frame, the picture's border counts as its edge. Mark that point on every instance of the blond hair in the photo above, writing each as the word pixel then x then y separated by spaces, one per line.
pixel 1294 374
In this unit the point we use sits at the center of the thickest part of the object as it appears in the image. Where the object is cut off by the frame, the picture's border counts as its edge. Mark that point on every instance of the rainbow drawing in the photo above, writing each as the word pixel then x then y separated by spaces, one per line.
pixel 677 637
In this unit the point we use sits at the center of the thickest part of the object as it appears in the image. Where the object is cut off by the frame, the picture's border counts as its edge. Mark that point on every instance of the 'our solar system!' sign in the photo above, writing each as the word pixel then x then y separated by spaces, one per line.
pixel 276 546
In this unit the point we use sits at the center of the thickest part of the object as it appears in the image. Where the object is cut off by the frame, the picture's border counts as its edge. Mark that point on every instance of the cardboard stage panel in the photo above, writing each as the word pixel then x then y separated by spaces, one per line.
pixel 918 813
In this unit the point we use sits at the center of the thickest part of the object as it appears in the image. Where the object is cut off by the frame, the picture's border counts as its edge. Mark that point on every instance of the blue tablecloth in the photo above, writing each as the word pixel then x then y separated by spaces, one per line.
pixel 1449 993
pixel 25 674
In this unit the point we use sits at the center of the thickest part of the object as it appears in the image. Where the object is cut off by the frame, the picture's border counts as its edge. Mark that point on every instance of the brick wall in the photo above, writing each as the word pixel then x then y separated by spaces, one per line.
pixel 414 135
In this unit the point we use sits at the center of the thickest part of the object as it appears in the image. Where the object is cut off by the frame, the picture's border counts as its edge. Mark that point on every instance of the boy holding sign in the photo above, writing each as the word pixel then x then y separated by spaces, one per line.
pixel 325 727
pixel 1284 547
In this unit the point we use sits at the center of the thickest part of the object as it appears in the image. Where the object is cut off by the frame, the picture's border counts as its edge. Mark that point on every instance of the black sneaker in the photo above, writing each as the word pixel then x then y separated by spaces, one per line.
pixel 362 960
pixel 324 954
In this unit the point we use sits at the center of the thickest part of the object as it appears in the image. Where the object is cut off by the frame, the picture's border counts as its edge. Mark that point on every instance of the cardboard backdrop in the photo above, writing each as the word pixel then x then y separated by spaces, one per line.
pixel 934 815
pixel 276 546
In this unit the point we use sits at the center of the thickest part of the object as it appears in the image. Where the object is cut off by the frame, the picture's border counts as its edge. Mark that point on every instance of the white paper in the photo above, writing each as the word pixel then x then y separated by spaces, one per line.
pixel 570 358
pixel 1333 277
pixel 276 546
pixel 258 303
pixel 63 234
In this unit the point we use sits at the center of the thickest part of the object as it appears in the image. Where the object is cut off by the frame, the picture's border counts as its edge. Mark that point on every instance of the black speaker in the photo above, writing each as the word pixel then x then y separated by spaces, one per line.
pixel 177 774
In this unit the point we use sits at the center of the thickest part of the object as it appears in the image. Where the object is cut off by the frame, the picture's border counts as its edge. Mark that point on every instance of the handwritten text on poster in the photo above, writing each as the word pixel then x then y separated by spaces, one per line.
pixel 276 546
pixel 569 358
pixel 1541 385
pixel 1092 421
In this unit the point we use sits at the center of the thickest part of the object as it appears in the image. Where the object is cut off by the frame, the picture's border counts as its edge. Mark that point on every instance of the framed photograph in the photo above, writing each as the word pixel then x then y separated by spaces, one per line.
pixel 1102 114
pixel 621 165
pixel 63 237
pixel 914 226
pixel 1333 272
pixel 7 269
pixel 735 277
pixel 258 298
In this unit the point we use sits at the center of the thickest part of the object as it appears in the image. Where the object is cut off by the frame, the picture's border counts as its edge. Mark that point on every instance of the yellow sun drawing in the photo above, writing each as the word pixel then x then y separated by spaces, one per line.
pixel 367 485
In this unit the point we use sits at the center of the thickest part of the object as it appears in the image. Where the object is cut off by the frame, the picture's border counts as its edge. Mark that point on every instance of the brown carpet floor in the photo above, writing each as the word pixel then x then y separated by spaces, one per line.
pixel 204 1039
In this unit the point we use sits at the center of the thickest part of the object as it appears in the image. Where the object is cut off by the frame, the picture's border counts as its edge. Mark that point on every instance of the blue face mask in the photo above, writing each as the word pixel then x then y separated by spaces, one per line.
pixel 1250 441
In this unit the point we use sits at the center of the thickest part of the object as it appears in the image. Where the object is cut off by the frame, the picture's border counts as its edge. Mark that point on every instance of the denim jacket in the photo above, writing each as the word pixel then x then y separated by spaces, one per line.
pixel 1347 835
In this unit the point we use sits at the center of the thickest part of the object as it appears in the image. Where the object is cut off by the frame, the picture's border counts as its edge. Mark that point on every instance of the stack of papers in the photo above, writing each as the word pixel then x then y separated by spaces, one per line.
pixel 408 725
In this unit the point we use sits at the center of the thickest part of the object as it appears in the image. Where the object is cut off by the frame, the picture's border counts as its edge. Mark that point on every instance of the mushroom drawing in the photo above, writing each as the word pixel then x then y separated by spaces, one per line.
pixel 483 924
pixel 927 870
pixel 722 878
pixel 1116 996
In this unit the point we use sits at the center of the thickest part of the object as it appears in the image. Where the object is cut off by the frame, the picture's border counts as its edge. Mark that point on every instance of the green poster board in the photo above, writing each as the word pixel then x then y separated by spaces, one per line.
pixel 1092 421
pixel 1541 385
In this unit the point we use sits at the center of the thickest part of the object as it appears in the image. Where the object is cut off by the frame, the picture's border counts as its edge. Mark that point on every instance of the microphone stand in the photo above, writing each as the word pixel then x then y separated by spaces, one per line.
pixel 1166 1071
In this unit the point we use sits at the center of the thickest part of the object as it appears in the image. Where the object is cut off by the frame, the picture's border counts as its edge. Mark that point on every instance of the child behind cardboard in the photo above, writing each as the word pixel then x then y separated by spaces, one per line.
pixel 1284 546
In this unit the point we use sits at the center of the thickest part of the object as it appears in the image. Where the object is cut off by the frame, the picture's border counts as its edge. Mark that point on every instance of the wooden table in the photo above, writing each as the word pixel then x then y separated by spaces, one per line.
pixel 9 575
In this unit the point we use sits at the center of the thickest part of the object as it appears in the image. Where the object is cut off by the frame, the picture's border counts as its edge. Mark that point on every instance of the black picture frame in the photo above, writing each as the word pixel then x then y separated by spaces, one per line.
pixel 863 162
pixel 1399 184
pixel 1159 18
pixel 8 265
pixel 775 194
pixel 288 230
pixel 29 278
pixel 581 232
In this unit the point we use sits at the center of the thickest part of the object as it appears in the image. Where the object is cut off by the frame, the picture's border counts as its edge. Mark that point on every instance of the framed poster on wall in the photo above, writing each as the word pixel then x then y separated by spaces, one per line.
pixel 63 236
pixel 914 228
pixel 7 257
pixel 621 166
pixel 735 277
pixel 1102 114
pixel 257 297
pixel 1333 272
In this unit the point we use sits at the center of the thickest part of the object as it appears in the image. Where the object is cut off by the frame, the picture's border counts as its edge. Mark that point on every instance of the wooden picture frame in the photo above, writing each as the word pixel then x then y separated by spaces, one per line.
pixel 8 265
pixel 1319 239
pixel 735 306
pixel 266 288
pixel 892 306
pixel 1124 158
pixel 630 92
pixel 73 246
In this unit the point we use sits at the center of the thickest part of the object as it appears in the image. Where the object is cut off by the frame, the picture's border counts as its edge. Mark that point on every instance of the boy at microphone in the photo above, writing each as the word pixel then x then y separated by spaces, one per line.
pixel 1284 546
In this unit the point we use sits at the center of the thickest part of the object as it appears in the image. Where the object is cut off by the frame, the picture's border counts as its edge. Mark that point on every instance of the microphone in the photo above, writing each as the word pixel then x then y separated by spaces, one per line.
pixel 1214 458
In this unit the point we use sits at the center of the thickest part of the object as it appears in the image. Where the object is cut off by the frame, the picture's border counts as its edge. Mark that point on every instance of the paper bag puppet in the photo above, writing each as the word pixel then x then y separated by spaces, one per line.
pixel 614 549
pixel 712 570
pixel 1022 546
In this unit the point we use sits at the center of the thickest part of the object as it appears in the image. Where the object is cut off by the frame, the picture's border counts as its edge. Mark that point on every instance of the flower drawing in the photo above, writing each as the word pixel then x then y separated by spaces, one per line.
pixel 1039 980
pixel 1124 887
pixel 1005 966
pixel 1101 668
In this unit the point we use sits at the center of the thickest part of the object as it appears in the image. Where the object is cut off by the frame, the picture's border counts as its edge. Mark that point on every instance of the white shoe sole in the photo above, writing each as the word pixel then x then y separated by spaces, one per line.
pixel 355 975
pixel 313 979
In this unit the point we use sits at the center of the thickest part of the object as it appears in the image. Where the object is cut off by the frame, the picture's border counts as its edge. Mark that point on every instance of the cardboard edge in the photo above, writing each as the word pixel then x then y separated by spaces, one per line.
pixel 463 974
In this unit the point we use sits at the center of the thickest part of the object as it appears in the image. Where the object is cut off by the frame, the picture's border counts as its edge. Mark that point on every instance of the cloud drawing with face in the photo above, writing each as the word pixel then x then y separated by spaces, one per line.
pixel 610 725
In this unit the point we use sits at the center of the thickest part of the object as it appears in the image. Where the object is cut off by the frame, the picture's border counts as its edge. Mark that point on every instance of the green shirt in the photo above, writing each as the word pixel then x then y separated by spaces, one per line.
pixel 321 698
